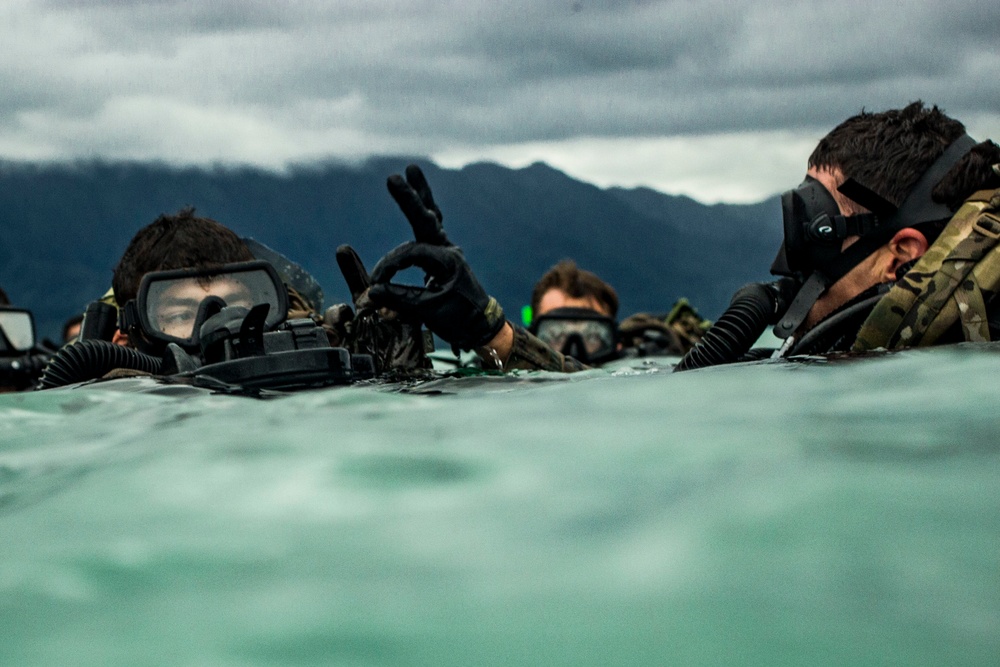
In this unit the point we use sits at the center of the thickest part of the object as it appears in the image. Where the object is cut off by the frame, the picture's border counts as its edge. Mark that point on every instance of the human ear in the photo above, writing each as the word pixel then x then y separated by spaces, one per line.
pixel 907 245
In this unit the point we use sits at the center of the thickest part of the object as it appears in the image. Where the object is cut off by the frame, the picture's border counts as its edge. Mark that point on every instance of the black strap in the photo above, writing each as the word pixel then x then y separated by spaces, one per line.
pixel 919 206
pixel 801 305
pixel 128 316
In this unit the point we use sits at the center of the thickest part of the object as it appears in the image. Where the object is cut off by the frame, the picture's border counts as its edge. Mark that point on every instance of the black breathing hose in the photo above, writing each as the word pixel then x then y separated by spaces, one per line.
pixel 752 309
pixel 91 359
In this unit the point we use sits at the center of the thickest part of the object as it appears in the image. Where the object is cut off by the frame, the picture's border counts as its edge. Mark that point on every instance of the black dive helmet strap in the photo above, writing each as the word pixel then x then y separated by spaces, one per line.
pixel 815 230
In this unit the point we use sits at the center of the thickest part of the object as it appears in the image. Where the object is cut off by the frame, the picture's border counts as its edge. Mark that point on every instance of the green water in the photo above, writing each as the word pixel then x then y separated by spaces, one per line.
pixel 844 514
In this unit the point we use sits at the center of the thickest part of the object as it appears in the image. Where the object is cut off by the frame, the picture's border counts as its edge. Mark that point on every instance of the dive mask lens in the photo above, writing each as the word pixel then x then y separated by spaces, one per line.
pixel 170 302
pixel 18 327
pixel 569 329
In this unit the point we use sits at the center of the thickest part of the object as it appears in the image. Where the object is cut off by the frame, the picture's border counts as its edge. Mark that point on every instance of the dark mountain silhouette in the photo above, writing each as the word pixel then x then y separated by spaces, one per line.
pixel 64 226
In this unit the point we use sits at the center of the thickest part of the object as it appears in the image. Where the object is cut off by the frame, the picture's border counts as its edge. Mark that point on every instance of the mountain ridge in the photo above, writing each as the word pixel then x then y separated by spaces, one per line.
pixel 64 226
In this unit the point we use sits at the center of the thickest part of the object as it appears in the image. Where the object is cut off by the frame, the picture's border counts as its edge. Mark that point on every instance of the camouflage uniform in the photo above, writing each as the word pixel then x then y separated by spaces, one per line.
pixel 672 334
pixel 531 354
pixel 945 286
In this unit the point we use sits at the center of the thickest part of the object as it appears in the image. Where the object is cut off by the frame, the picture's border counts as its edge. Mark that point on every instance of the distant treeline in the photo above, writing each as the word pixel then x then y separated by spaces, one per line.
pixel 64 226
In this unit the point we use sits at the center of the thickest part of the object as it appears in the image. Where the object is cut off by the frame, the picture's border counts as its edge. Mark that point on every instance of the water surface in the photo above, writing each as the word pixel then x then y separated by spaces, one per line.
pixel 822 514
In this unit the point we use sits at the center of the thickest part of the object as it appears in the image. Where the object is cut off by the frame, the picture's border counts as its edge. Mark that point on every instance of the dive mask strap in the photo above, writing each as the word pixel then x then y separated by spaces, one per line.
pixel 919 206
pixel 804 299
pixel 128 316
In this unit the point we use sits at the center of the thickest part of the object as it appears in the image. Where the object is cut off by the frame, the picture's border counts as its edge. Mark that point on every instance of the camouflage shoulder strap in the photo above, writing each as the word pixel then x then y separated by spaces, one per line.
pixel 945 285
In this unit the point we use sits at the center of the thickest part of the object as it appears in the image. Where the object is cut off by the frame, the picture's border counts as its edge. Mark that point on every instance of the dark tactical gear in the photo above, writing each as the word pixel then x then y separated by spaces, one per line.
pixel 452 304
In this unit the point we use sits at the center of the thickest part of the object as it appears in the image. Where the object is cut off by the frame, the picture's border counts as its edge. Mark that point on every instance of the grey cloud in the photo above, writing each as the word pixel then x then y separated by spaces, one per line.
pixel 431 73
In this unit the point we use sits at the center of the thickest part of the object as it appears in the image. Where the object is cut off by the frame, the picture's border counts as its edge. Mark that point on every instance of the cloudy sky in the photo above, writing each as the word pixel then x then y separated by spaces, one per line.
pixel 719 100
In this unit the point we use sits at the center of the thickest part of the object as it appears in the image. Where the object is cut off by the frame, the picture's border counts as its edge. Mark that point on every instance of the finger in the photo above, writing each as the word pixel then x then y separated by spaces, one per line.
pixel 436 261
pixel 354 271
pixel 423 221
pixel 401 298
pixel 415 177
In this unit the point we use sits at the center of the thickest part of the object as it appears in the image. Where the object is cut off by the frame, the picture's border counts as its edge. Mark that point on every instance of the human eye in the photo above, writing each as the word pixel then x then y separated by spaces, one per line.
pixel 176 321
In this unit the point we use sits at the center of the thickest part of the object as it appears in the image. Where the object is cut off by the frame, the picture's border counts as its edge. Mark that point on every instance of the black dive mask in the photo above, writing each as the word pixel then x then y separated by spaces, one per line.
pixel 814 230
pixel 17 331
pixel 172 306
pixel 582 333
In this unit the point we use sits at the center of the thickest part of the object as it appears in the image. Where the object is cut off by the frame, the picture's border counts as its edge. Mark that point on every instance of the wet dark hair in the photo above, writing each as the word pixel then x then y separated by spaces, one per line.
pixel 4 300
pixel 179 241
pixel 888 152
pixel 576 283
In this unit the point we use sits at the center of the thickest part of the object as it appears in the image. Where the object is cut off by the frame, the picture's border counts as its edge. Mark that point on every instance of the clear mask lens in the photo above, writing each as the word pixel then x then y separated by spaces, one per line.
pixel 18 328
pixel 598 336
pixel 170 303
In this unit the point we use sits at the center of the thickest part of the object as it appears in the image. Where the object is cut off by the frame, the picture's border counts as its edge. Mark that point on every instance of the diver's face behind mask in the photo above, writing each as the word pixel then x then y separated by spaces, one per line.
pixel 810 216
pixel 584 334
pixel 172 305
pixel 17 330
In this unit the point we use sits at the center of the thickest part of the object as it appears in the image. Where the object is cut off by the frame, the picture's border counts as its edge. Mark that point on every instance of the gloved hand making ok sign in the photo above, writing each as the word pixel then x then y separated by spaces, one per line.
pixel 451 303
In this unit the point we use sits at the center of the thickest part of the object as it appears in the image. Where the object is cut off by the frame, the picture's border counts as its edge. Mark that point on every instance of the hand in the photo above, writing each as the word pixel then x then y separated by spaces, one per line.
pixel 451 303
pixel 394 342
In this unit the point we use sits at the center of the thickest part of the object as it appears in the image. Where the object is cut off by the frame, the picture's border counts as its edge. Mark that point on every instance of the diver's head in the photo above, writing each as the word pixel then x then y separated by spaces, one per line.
pixel 879 189
pixel 172 242
pixel 574 312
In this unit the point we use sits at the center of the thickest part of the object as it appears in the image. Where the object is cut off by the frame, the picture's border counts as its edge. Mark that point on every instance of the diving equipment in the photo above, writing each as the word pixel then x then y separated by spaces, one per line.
pixel 100 321
pixel 22 358
pixel 17 330
pixel 394 342
pixel 582 333
pixel 225 327
pixel 171 306
pixel 291 273
pixel 236 354
pixel 751 310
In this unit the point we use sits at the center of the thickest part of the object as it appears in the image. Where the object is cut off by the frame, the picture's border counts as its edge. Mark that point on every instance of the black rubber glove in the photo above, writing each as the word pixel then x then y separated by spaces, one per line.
pixel 452 303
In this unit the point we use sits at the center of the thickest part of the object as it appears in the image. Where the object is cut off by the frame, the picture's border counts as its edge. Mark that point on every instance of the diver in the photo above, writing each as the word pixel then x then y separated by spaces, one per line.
pixel 889 242
pixel 567 294
pixel 22 356
pixel 196 305
pixel 574 312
